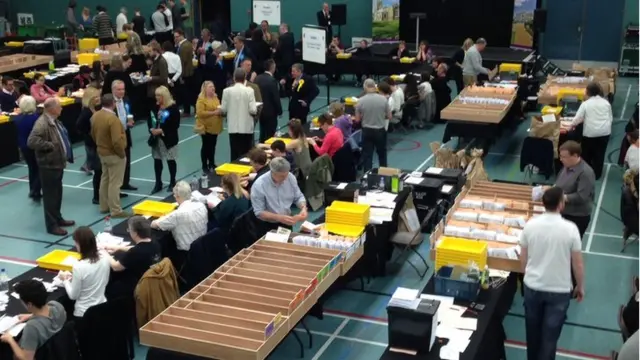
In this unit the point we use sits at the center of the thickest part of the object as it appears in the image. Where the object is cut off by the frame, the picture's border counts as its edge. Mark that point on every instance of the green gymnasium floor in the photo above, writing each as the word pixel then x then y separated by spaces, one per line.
pixel 355 327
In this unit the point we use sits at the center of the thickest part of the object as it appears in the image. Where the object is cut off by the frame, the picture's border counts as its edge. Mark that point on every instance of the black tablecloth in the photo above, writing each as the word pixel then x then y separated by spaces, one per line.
pixel 487 342
pixel 363 65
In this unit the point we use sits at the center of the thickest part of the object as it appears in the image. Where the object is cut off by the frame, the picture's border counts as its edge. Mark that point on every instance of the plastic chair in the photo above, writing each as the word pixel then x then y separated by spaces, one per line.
pixel 537 152
pixel 106 331
pixel 411 241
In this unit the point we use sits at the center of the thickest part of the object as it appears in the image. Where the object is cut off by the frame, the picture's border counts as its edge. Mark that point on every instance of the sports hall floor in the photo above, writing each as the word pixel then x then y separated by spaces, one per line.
pixel 355 327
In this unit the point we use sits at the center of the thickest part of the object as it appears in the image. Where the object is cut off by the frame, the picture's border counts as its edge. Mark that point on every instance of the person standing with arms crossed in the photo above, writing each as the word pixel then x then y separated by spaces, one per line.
pixel 50 141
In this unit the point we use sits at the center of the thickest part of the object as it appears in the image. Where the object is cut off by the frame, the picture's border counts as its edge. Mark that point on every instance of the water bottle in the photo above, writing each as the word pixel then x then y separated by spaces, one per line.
pixel 4 281
pixel 381 185
pixel 204 181
pixel 107 224
pixel 195 184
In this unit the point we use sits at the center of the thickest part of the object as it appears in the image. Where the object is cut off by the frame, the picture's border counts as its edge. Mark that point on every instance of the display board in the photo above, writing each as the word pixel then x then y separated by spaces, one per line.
pixel 314 45
pixel 385 21
pixel 268 10
pixel 522 27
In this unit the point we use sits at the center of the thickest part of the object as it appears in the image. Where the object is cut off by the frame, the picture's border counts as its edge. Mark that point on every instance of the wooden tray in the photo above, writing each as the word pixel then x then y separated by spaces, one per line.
pixel 487 189
pixel 9 63
pixel 248 305
pixel 457 110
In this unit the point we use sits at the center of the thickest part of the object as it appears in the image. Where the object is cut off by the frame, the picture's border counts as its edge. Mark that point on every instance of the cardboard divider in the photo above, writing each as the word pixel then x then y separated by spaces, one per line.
pixel 206 336
pixel 257 259
pixel 245 304
pixel 234 294
pixel 218 319
pixel 256 290
pixel 307 252
pixel 216 328
pixel 289 279
pixel 264 283
pixel 293 247
pixel 247 264
pixel 219 309
pixel 276 254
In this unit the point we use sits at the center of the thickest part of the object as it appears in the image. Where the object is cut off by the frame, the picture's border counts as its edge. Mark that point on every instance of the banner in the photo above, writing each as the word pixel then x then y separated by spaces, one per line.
pixel 385 20
pixel 522 24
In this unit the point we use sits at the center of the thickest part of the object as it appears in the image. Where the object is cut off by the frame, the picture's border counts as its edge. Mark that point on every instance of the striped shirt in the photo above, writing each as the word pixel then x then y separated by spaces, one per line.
pixel 103 25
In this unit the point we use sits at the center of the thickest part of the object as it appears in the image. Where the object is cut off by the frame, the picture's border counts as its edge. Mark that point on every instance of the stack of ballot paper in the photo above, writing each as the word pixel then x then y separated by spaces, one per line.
pixel 104 239
pixel 11 324
pixel 405 298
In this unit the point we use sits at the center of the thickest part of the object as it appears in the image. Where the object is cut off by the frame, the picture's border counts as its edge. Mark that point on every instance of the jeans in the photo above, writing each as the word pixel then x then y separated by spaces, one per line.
pixel 544 313
pixel 373 138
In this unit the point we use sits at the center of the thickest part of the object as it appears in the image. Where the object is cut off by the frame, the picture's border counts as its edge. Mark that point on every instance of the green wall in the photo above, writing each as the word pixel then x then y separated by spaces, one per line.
pixel 630 13
pixel 47 12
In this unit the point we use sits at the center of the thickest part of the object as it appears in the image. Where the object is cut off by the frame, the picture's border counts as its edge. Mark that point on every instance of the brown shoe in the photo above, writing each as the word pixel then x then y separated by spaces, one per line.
pixel 121 215
pixel 65 223
pixel 58 231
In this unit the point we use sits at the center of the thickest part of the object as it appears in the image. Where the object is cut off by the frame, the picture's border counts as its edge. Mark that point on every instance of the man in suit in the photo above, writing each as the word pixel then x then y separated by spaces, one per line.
pixel 185 51
pixel 324 20
pixel 239 105
pixel 158 74
pixel 303 91
pixel 209 63
pixel 123 112
pixel 108 133
pixel 271 105
pixel 285 51
pixel 50 141
pixel 242 51
pixel 251 77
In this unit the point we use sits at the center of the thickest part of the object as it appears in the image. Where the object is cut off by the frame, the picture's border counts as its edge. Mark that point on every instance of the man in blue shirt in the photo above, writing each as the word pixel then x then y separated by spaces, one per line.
pixel 273 194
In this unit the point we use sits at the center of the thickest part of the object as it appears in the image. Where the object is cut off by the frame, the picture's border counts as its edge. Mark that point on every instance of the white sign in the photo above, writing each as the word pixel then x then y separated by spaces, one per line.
pixel 314 45
pixel 24 19
pixel 266 10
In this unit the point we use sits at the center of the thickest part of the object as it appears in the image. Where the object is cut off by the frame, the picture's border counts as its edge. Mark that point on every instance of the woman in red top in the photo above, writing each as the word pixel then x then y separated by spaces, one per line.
pixel 333 138
pixel 39 90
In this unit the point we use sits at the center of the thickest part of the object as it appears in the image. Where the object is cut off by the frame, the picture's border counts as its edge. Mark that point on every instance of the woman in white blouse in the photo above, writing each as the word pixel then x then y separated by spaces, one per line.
pixel 88 280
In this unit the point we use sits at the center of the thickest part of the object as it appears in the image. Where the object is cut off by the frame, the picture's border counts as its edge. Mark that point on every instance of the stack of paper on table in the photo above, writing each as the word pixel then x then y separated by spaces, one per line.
pixel 104 239
pixel 405 298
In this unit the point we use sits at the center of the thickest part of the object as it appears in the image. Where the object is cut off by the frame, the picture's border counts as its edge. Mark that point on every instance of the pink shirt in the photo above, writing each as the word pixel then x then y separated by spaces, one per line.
pixel 41 92
pixel 331 143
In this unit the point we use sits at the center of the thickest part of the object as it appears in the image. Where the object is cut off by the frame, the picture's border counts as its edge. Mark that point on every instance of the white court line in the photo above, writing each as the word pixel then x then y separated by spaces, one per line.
pixel 332 337
pixel 82 172
pixel 616 256
pixel 370 321
pixel 605 235
pixel 85 188
pixel 15 262
pixel 598 205
pixel 148 156
pixel 624 104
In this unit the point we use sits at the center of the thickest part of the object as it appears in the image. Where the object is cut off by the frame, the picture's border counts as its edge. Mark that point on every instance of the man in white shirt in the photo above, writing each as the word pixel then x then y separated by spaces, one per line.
pixel 596 116
pixel 547 258
pixel 632 157
pixel 174 64
pixel 397 98
pixel 239 105
pixel 187 223
pixel 121 19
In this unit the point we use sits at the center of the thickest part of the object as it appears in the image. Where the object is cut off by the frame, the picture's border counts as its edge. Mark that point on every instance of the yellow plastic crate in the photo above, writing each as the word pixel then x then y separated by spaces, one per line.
pixel 556 110
pixel 229 56
pixel 345 230
pixel 153 208
pixel 64 101
pixel 123 36
pixel 397 77
pixel 570 92
pixel 57 260
pixel 346 213
pixel 314 122
pixel 14 44
pixel 87 59
pixel 350 101
pixel 507 67
pixel 458 251
pixel 343 56
pixel 241 170
pixel 31 74
pixel 88 44
pixel 407 60
pixel 4 119
pixel 271 140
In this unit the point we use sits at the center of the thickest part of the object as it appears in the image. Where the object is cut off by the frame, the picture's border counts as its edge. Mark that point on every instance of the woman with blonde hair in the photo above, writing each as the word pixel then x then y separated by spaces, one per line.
pixel 235 201
pixel 163 140
pixel 208 124
pixel 24 122
pixel 455 71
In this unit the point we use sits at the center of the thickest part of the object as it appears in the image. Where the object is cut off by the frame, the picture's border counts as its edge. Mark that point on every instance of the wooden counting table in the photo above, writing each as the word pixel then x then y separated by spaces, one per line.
pixel 15 62
pixel 247 306
pixel 460 110
pixel 517 203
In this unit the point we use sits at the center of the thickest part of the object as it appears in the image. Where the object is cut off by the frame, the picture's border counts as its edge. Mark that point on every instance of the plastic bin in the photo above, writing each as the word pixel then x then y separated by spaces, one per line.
pixel 88 44
pixel 459 289
pixel 271 140
pixel 88 59
pixel 241 170
pixel 153 208
pixel 57 260
pixel 344 56
pixel 452 251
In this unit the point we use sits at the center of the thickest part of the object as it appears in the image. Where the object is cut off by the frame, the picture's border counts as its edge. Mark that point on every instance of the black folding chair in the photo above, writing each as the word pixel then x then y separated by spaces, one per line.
pixel 537 152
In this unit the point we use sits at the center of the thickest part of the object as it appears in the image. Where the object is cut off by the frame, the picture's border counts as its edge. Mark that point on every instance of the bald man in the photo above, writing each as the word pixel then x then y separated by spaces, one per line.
pixel 49 140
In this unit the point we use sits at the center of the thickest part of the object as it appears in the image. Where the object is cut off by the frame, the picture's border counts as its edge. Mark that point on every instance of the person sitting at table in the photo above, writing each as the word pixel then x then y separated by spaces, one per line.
pixel 258 161
pixel 134 260
pixel 397 96
pixel 341 120
pixel 43 321
pixel 8 96
pixel 335 47
pixel 83 79
pixel 273 195
pixel 40 91
pixel 424 52
pixel 400 51
pixel 363 51
pixel 441 90
pixel 385 90
pixel 24 123
pixel 208 124
pixel 235 201
pixel 632 158
pixel 87 282
pixel 596 116
pixel 279 149
pixel 187 222
pixel 333 139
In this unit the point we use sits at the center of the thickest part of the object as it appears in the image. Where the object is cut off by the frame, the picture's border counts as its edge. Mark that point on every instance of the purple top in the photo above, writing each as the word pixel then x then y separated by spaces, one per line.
pixel 344 124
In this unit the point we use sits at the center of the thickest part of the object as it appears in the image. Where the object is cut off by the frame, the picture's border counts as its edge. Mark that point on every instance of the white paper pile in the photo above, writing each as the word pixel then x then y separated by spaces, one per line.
pixel 490 219
pixel 480 234
pixel 515 221
pixel 465 216
pixel 104 239
pixel 378 199
pixel 4 300
pixel 536 193
pixel 471 204
pixel 457 231
pixel 508 238
pixel 483 101
pixel 405 298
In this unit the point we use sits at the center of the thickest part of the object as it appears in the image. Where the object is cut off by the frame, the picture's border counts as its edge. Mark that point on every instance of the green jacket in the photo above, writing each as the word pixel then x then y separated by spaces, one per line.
pixel 320 174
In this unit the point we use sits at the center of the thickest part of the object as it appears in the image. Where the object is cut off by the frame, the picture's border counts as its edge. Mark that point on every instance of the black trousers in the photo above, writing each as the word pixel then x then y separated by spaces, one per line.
pixel 161 37
pixel 34 173
pixel 188 91
pixel 373 139
pixel 208 151
pixel 127 167
pixel 268 127
pixel 594 149
pixel 52 196
pixel 582 222
pixel 240 145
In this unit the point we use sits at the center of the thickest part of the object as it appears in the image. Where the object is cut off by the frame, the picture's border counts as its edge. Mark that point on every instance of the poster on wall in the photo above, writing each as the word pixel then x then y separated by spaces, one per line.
pixel 266 10
pixel 385 20
pixel 522 24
